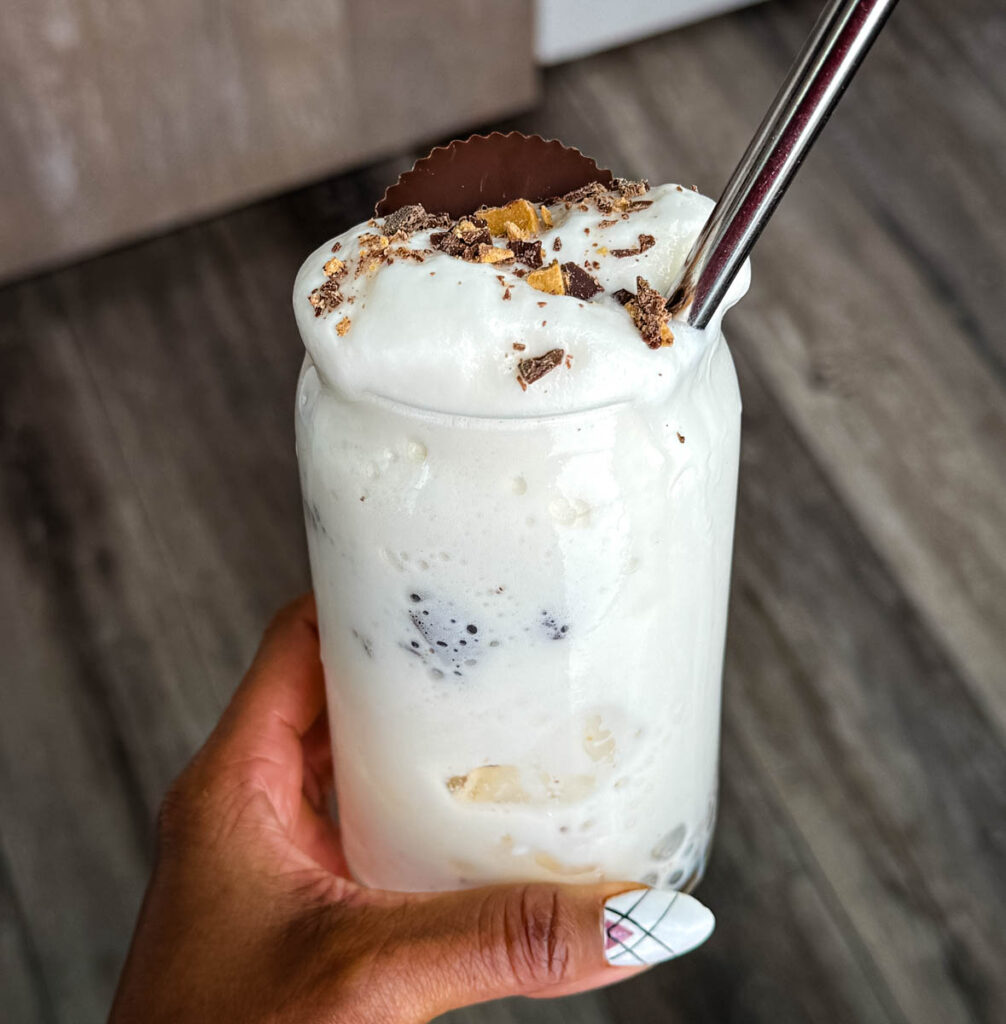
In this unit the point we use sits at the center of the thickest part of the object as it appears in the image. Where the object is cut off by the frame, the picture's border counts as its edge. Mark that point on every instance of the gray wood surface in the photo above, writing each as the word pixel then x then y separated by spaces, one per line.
pixel 150 520
pixel 118 118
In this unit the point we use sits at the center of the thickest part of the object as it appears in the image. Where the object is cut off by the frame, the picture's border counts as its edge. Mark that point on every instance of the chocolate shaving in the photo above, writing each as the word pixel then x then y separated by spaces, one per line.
pixel 645 242
pixel 534 368
pixel 412 218
pixel 419 255
pixel 579 283
pixel 622 295
pixel 591 190
pixel 627 188
pixel 528 252
pixel 639 204
pixel 648 310
pixel 616 196
pixel 326 298
pixel 557 244
pixel 519 346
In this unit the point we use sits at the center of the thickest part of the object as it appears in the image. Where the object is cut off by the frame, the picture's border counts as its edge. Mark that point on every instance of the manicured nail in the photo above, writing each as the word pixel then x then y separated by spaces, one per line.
pixel 646 926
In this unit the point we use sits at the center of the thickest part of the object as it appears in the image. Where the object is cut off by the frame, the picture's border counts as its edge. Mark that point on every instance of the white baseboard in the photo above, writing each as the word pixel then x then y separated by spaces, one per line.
pixel 565 29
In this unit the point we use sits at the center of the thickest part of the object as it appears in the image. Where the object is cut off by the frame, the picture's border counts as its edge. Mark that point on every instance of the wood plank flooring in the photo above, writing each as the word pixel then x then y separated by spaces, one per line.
pixel 150 521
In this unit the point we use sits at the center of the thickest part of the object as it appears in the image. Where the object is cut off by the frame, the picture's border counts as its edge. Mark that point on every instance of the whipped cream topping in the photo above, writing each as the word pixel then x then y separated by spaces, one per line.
pixel 434 331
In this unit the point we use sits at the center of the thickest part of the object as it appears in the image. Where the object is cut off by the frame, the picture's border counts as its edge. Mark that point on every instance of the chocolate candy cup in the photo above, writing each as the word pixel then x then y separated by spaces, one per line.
pixel 491 170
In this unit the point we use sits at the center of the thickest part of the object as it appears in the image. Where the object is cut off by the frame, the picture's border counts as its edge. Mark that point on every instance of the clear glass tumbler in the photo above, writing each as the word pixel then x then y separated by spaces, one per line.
pixel 522 626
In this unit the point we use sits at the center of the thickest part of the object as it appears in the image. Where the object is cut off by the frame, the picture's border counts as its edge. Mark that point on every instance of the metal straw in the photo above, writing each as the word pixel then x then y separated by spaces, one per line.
pixel 815 84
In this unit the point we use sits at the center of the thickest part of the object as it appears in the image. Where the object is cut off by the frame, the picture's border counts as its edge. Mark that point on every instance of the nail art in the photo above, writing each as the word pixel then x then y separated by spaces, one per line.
pixel 647 926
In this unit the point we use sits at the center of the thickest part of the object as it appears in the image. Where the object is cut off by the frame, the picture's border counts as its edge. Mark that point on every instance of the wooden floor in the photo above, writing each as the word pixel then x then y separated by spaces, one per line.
pixel 150 521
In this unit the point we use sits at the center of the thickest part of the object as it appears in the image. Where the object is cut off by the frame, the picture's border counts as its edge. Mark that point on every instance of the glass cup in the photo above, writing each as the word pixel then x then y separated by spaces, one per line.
pixel 522 627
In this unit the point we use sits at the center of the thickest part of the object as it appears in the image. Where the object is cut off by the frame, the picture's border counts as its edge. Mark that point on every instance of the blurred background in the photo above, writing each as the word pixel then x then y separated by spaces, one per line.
pixel 164 168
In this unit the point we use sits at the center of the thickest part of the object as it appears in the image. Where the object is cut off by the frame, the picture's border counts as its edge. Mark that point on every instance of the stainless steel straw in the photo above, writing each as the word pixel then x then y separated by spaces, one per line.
pixel 815 84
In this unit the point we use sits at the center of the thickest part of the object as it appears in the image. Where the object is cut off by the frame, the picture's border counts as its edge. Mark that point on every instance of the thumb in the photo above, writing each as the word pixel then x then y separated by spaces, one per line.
pixel 441 951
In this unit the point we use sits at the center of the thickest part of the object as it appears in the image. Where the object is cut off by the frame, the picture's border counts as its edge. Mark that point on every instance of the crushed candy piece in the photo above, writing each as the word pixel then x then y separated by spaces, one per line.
pixel 494 254
pixel 578 282
pixel 589 191
pixel 549 279
pixel 520 213
pixel 489 784
pixel 528 252
pixel 371 244
pixel 618 196
pixel 514 233
pixel 342 327
pixel 535 367
pixel 412 218
pixel 464 239
pixel 326 298
pixel 645 242
pixel 628 188
pixel 648 309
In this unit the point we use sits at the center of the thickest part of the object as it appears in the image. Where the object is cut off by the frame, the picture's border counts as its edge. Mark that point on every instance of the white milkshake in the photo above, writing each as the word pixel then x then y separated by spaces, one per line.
pixel 519 485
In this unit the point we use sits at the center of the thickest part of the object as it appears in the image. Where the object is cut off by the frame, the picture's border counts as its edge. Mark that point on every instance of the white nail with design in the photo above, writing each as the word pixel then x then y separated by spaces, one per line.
pixel 647 926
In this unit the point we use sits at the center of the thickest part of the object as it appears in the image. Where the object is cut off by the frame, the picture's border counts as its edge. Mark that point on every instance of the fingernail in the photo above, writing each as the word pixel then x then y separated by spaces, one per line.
pixel 647 926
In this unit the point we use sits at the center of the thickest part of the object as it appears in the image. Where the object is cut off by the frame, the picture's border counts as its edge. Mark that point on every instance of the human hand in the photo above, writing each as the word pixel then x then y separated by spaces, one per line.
pixel 251 915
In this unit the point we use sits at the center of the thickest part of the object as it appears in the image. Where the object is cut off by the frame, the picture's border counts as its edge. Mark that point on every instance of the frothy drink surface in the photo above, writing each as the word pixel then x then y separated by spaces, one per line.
pixel 519 483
